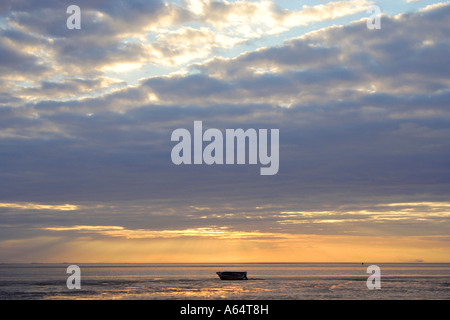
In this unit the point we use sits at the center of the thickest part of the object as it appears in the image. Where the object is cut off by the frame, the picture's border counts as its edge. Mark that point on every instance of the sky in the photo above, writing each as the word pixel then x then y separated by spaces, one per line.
pixel 86 118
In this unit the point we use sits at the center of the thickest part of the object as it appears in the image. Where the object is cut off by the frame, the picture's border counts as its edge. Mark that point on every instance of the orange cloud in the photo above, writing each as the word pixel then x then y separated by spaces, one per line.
pixel 37 206
pixel 206 232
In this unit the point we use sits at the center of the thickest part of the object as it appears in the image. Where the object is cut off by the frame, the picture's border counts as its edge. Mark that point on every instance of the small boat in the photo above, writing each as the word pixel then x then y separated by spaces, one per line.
pixel 232 275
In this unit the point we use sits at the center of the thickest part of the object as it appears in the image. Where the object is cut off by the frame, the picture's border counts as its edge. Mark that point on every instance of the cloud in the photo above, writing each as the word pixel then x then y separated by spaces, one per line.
pixel 363 118
pixel 117 35
pixel 106 37
pixel 205 232
pixel 267 17
pixel 36 206
pixel 17 64
pixel 187 44
pixel 67 88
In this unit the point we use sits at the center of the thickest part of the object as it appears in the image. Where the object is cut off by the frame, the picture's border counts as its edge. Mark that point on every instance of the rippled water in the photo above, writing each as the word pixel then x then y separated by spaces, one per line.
pixel 290 281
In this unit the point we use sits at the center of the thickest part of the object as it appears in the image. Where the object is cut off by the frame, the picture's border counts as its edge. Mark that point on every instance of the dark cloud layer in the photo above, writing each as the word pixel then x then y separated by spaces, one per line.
pixel 334 133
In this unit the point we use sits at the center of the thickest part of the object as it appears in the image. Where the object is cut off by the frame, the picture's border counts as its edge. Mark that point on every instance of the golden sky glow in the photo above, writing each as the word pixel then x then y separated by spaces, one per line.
pixel 104 243
pixel 294 248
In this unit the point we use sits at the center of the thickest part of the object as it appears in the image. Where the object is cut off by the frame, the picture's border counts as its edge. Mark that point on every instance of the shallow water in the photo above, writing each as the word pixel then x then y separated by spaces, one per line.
pixel 283 281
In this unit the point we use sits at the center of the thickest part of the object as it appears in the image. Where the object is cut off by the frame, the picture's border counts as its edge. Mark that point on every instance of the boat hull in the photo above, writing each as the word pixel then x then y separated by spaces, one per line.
pixel 232 275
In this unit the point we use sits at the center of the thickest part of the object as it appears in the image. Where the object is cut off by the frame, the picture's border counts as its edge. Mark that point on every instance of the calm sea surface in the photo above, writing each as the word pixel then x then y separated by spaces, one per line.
pixel 290 281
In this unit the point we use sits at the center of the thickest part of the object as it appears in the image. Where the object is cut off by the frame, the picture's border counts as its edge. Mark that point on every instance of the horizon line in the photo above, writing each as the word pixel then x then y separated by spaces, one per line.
pixel 330 262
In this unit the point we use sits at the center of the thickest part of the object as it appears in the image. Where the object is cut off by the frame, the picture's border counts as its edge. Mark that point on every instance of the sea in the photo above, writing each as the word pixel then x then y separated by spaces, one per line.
pixel 198 281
